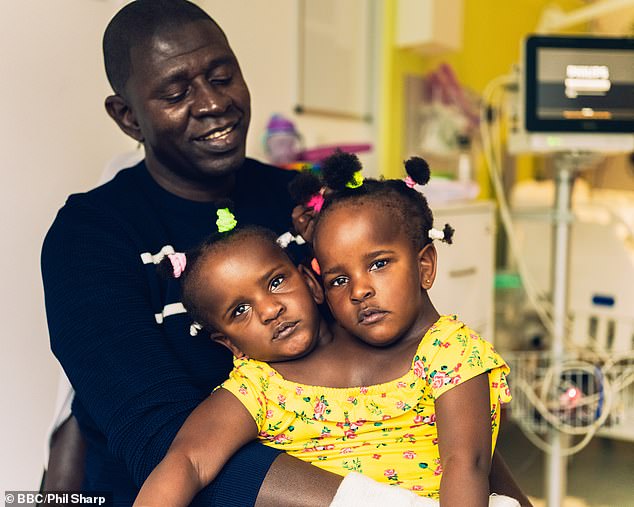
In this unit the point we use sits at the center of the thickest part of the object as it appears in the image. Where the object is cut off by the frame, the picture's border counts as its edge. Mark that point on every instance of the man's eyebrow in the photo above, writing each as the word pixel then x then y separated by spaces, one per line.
pixel 181 74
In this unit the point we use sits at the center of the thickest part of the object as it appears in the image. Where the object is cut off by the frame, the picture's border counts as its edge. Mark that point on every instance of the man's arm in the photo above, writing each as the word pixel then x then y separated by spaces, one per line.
pixel 212 433
pixel 125 374
pixel 501 481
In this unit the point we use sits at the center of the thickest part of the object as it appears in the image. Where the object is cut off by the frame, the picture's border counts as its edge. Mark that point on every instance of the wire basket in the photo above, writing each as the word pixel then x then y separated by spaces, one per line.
pixel 576 395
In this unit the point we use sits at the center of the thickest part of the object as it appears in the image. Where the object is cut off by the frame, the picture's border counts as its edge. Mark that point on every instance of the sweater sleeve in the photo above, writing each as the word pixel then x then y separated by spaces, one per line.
pixel 104 334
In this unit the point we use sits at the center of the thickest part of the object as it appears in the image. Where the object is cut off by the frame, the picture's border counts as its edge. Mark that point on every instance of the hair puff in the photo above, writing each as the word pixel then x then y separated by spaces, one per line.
pixel 304 186
pixel 418 169
pixel 448 232
pixel 337 170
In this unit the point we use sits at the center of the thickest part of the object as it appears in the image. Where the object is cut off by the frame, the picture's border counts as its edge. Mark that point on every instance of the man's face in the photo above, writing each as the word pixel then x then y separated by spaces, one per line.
pixel 192 106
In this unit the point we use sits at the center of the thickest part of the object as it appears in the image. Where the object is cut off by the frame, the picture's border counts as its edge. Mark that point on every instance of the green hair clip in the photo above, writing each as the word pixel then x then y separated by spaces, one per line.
pixel 226 221
pixel 356 181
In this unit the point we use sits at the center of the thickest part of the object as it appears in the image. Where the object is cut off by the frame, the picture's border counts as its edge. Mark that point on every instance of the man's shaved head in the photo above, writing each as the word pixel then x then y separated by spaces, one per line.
pixel 136 23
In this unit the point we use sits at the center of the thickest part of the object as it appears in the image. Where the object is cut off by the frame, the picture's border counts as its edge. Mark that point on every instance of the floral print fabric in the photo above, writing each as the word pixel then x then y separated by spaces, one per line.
pixel 386 431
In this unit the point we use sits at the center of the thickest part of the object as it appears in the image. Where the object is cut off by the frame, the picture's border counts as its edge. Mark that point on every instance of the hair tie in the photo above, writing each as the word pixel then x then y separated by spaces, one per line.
pixel 435 234
pixel 226 220
pixel 287 238
pixel 194 329
pixel 316 202
pixel 179 261
pixel 356 181
pixel 409 181
pixel 315 265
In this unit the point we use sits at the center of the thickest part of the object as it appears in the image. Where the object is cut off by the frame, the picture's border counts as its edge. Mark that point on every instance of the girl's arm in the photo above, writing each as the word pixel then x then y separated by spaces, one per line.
pixel 212 433
pixel 463 418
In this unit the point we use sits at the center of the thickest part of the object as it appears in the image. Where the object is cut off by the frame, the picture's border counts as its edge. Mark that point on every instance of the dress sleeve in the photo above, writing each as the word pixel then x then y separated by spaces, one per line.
pixel 463 355
pixel 103 332
pixel 246 383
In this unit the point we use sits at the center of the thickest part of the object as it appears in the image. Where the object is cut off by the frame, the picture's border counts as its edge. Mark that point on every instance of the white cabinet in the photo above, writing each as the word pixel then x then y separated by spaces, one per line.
pixel 429 26
pixel 465 275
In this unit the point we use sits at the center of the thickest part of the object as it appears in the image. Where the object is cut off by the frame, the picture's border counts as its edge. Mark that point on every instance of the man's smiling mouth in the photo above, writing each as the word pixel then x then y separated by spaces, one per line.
pixel 217 133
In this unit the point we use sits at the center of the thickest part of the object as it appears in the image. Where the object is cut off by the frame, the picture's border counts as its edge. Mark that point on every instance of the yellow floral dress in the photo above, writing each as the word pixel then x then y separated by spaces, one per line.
pixel 386 431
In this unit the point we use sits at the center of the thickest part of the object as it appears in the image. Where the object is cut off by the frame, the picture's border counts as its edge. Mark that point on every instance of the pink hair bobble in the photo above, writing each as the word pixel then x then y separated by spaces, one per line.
pixel 409 181
pixel 179 261
pixel 316 202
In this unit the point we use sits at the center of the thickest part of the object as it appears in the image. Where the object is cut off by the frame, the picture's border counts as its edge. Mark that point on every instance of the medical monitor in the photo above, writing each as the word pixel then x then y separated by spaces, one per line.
pixel 579 84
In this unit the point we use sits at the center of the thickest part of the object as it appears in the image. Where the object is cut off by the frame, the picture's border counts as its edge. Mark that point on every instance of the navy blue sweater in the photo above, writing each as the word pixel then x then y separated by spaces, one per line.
pixel 120 333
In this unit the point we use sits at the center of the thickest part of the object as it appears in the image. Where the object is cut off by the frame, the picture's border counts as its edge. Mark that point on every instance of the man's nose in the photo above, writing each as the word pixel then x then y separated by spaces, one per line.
pixel 209 99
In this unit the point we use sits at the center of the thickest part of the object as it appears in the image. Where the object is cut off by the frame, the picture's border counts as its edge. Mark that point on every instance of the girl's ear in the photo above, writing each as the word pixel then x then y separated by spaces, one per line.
pixel 427 257
pixel 223 340
pixel 313 284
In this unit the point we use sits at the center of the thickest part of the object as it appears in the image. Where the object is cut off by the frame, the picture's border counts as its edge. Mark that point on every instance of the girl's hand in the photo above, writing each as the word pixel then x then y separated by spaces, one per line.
pixel 304 221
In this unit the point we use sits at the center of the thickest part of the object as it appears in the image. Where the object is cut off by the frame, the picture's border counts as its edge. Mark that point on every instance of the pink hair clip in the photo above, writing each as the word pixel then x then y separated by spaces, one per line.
pixel 316 202
pixel 410 182
pixel 315 265
pixel 179 261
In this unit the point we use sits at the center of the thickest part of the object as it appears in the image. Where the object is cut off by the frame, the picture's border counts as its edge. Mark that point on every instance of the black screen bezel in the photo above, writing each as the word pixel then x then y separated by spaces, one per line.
pixel 535 124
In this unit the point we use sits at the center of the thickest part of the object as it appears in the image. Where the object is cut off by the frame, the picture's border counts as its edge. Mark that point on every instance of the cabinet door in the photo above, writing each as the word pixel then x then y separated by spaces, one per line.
pixel 464 280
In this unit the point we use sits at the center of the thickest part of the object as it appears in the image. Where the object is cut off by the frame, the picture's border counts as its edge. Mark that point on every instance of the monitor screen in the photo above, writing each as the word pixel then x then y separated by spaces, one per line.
pixel 579 84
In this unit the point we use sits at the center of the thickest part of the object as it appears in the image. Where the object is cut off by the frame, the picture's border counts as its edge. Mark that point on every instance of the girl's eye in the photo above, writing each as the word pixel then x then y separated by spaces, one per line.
pixel 381 263
pixel 276 282
pixel 339 281
pixel 240 310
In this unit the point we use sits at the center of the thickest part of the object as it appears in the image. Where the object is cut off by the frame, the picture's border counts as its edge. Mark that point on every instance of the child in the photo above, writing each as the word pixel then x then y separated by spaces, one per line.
pixel 373 241
pixel 248 292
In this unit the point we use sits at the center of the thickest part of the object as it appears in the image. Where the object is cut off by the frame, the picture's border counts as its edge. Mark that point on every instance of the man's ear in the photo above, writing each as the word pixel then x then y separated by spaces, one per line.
pixel 313 284
pixel 122 114
pixel 427 257
pixel 223 340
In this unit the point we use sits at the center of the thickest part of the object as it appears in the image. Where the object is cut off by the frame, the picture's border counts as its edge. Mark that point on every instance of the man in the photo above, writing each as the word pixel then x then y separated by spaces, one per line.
pixel 120 331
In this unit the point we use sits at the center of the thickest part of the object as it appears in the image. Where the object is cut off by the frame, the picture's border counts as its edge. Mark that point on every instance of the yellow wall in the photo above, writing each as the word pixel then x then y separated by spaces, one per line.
pixel 492 33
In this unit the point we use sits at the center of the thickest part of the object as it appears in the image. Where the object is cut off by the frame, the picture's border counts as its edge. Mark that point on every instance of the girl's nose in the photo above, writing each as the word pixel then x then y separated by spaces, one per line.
pixel 271 310
pixel 361 291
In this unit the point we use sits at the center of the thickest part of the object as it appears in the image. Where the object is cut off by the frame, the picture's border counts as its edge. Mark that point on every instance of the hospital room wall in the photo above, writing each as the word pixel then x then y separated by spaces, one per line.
pixel 492 31
pixel 55 139
pixel 271 73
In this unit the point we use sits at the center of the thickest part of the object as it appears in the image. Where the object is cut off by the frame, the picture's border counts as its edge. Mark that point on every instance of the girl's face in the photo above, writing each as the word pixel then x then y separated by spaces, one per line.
pixel 259 302
pixel 374 279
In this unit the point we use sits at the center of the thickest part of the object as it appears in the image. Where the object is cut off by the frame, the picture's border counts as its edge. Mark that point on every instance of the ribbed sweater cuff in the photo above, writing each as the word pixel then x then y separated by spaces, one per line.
pixel 239 482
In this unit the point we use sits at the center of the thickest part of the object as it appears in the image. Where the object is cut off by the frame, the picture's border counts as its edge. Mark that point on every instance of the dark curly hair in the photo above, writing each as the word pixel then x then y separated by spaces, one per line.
pixel 407 206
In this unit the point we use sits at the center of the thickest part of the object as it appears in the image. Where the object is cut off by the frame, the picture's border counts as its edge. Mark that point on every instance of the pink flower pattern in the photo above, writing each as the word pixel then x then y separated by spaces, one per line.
pixel 390 433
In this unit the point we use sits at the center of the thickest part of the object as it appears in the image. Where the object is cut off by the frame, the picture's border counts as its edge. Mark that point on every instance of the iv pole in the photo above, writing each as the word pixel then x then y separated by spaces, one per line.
pixel 554 19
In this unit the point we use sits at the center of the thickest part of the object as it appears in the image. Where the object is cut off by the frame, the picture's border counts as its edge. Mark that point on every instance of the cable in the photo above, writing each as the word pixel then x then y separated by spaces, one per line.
pixel 492 149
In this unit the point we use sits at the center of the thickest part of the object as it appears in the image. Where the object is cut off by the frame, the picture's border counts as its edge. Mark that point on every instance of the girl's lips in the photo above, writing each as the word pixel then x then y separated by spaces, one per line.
pixel 371 316
pixel 284 330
